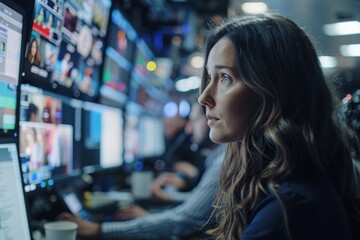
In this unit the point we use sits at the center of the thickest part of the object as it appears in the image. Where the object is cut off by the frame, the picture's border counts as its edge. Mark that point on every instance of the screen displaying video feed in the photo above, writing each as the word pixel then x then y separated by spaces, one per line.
pixel 146 95
pixel 49 132
pixel 142 56
pixel 118 57
pixel 115 79
pixel 67 44
pixel 11 34
pixel 102 136
pixel 42 48
pixel 122 37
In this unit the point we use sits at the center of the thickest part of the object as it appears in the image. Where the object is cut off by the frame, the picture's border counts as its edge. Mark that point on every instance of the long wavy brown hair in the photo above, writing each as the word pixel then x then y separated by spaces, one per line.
pixel 294 129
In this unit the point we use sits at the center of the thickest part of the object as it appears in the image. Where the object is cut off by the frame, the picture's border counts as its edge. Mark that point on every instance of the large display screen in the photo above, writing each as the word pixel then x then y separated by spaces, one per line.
pixel 11 35
pixel 49 132
pixel 66 45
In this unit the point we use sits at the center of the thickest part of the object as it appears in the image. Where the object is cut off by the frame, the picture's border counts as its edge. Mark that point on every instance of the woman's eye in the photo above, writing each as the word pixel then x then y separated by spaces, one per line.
pixel 226 79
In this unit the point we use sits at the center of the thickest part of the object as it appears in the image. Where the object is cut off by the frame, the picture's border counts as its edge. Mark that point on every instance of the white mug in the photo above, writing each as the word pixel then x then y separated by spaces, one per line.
pixel 60 230
pixel 141 184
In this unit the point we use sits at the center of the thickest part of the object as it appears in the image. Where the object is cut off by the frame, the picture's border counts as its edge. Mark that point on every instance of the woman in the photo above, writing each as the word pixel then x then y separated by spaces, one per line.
pixel 287 173
pixel 34 53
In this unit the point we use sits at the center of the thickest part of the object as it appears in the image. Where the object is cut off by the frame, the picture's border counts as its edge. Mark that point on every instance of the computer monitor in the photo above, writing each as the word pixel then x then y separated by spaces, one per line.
pixel 11 50
pixel 49 132
pixel 44 41
pixel 102 137
pixel 152 136
pixel 66 46
pixel 14 221
pixel 118 57
pixel 132 118
pixel 144 134
pixel 115 79
pixel 142 56
pixel 121 37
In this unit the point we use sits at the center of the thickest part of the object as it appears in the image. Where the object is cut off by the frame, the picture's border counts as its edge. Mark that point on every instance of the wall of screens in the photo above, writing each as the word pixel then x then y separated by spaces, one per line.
pixel 66 44
pixel 77 52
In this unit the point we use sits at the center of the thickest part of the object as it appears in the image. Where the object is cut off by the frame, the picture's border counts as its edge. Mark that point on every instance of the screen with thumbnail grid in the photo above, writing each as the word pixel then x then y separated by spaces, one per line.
pixel 66 44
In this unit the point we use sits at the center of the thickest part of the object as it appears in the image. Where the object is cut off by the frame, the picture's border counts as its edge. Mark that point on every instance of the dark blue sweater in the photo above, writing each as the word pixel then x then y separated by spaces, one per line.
pixel 314 211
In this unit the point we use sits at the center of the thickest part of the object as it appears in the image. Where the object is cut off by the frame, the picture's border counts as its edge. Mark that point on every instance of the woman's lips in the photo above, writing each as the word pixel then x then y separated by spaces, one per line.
pixel 211 120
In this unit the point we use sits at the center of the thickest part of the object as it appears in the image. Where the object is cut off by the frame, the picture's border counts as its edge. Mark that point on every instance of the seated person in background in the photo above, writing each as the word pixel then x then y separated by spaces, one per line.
pixel 184 220
pixel 186 175
pixel 181 151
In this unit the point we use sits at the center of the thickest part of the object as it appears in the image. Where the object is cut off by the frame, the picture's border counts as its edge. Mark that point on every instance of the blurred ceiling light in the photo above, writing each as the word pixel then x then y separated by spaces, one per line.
pixel 151 66
pixel 176 40
pixel 184 108
pixel 342 28
pixel 254 7
pixel 187 84
pixel 197 61
pixel 170 109
pixel 328 61
pixel 352 50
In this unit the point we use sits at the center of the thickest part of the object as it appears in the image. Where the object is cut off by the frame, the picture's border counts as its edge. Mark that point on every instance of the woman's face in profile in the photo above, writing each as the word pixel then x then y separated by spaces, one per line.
pixel 230 104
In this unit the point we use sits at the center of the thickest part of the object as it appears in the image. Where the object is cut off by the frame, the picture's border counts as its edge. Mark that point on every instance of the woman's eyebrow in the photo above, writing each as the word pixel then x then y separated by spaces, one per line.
pixel 225 67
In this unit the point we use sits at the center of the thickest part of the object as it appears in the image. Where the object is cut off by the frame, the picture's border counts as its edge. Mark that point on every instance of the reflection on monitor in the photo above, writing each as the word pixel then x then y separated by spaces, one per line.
pixel 103 137
pixel 66 44
pixel 10 51
pixel 49 131
pixel 13 216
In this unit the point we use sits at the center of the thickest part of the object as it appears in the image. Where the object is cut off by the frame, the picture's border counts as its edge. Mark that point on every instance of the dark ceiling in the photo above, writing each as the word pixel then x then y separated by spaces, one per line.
pixel 185 18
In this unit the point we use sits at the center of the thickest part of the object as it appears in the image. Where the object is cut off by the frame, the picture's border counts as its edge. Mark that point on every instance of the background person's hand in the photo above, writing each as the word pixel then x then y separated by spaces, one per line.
pixel 130 212
pixel 186 168
pixel 169 179
pixel 159 185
